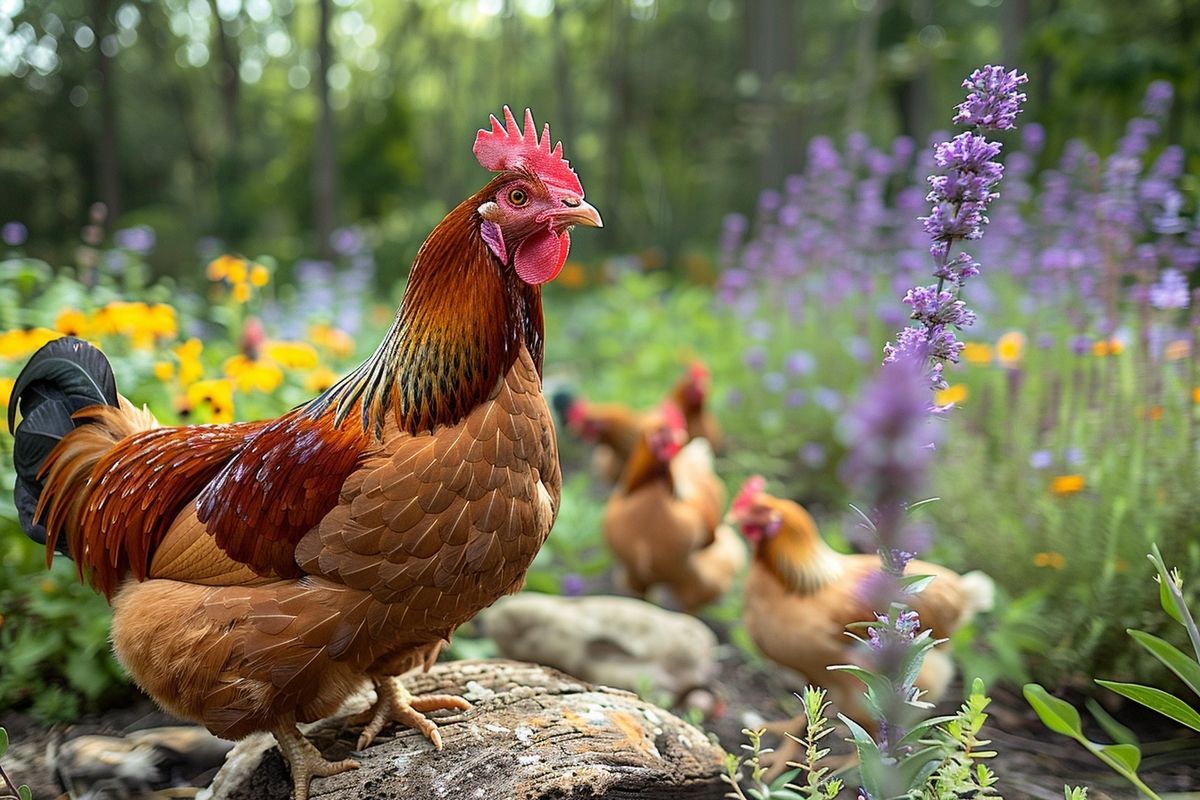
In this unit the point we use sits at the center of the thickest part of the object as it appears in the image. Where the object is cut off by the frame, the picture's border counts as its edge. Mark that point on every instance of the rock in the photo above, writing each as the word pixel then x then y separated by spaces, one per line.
pixel 137 763
pixel 612 641
pixel 533 734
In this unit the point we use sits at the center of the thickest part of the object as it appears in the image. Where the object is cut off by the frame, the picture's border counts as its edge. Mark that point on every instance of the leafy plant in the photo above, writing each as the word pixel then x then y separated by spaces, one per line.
pixel 1125 757
pixel 23 792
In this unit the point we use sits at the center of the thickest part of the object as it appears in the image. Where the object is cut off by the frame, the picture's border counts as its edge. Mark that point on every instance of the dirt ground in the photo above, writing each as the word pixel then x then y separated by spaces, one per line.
pixel 1033 763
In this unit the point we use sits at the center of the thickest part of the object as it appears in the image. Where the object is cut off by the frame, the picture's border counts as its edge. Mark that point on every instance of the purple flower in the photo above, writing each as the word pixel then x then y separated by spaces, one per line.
pixel 993 101
pixel 572 585
pixel 348 240
pixel 800 362
pixel 1040 459
pixel 14 234
pixel 813 455
pixel 774 382
pixel 1157 102
pixel 1171 291
pixel 755 357
pixel 139 239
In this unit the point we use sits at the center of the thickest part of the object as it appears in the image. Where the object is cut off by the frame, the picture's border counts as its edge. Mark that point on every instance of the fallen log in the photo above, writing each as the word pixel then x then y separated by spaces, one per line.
pixel 533 734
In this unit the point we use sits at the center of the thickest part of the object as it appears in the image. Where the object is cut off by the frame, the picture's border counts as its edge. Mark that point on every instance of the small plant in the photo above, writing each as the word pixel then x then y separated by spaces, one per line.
pixel 1125 757
pixel 11 789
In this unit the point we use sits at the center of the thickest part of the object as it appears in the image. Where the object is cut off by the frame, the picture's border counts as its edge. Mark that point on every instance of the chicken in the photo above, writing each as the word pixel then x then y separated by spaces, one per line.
pixel 663 522
pixel 800 594
pixel 261 572
pixel 614 427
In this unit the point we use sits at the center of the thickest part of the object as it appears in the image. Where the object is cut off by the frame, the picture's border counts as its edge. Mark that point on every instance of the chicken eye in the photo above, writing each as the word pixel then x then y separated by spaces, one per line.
pixel 518 197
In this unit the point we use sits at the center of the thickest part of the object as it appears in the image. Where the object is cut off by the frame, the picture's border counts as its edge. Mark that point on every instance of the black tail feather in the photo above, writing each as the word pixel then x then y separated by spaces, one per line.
pixel 63 377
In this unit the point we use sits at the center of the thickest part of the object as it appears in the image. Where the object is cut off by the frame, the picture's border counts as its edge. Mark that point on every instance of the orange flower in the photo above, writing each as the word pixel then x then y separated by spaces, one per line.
pixel 1108 347
pixel 1177 349
pixel 572 276
pixel 1067 485
pixel 1051 559
pixel 1196 395
pixel 1152 413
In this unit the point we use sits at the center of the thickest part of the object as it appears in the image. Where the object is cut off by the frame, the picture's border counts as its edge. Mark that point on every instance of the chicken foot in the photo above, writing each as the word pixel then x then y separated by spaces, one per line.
pixel 397 704
pixel 305 761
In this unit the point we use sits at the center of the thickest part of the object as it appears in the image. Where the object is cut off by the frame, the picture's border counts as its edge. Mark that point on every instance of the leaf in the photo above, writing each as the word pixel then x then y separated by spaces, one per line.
pixel 3 741
pixel 25 793
pixel 914 584
pixel 1157 700
pixel 1174 659
pixel 1127 754
pixel 1057 715
pixel 1166 597
pixel 1116 730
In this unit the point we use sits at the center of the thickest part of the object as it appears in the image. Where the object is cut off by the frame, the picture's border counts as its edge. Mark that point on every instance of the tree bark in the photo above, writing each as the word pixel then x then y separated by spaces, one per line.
pixel 618 113
pixel 325 157
pixel 108 162
pixel 228 80
pixel 533 734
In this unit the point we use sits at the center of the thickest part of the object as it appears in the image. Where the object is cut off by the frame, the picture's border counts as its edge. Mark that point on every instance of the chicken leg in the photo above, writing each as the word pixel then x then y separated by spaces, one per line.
pixel 304 760
pixel 396 704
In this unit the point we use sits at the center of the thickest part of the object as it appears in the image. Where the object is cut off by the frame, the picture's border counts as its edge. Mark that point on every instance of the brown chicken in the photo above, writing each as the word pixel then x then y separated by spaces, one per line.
pixel 614 428
pixel 800 594
pixel 261 572
pixel 663 522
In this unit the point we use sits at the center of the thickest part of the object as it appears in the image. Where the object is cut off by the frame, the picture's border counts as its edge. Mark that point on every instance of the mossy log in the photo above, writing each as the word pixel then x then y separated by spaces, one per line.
pixel 533 734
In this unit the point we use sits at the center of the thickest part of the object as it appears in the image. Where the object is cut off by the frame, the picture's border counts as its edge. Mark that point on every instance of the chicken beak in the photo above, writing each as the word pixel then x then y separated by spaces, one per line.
pixel 583 214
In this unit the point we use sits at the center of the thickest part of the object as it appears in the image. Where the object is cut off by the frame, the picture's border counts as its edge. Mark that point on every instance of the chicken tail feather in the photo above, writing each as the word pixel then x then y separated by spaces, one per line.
pixel 65 376
pixel 981 594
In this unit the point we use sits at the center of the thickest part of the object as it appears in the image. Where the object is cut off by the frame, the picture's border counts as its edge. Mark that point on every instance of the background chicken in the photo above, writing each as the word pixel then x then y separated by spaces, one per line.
pixel 614 427
pixel 663 522
pixel 287 561
pixel 800 594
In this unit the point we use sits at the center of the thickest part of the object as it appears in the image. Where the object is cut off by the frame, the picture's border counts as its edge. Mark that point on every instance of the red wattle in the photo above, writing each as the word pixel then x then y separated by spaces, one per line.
pixel 541 256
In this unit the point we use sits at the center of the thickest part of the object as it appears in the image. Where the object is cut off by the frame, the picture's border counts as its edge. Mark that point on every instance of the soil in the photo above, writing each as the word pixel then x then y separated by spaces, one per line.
pixel 1033 763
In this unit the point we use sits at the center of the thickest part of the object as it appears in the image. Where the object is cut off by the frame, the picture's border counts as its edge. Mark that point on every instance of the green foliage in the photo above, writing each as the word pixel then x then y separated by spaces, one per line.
pixel 1125 756
pixel 22 792
pixel 945 759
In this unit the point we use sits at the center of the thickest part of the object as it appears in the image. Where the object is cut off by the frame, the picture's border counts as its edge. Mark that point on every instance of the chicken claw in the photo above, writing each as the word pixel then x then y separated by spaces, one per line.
pixel 397 704
pixel 305 761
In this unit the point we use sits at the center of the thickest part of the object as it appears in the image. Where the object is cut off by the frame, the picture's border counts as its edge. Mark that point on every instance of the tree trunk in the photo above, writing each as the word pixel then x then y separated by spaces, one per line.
pixel 533 734
pixel 108 163
pixel 228 79
pixel 325 157
pixel 565 121
pixel 618 113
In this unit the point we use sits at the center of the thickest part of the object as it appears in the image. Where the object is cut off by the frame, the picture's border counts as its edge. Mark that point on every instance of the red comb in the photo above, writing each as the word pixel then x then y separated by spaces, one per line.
pixel 752 488
pixel 698 371
pixel 508 147
pixel 577 414
pixel 672 417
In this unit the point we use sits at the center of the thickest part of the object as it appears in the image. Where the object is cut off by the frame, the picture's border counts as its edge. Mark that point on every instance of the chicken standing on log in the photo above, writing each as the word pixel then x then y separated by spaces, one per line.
pixel 261 572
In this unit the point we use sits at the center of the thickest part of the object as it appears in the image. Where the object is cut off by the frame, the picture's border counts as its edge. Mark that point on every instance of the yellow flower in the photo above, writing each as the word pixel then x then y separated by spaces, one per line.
pixel 259 275
pixel 6 387
pixel 217 394
pixel 190 368
pixel 572 276
pixel 1196 395
pixel 241 292
pixel 21 342
pixel 1010 348
pixel 976 353
pixel 319 380
pixel 250 375
pixel 71 322
pixel 1051 559
pixel 335 340
pixel 226 266
pixel 1108 347
pixel 953 394
pixel 143 324
pixel 1066 485
pixel 292 355
pixel 1177 349
pixel 164 370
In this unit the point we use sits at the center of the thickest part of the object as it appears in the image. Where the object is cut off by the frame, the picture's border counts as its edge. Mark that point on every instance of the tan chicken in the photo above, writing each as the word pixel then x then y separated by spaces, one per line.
pixel 800 594
pixel 262 572
pixel 663 522
pixel 614 427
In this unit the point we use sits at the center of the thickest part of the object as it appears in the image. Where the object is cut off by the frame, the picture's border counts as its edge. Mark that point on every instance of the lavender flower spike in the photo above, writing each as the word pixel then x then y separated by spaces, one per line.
pixel 994 101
